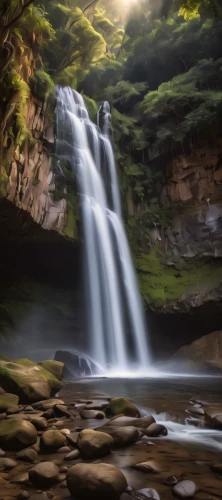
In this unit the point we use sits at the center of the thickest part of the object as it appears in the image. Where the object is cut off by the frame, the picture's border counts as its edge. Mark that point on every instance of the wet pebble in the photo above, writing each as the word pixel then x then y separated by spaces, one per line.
pixel 7 463
pixel 185 489
pixel 195 410
pixel 28 455
pixel 170 481
pixel 21 478
pixel 73 455
pixel 24 495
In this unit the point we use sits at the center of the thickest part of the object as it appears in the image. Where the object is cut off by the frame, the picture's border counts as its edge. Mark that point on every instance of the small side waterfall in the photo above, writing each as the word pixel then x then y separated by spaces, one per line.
pixel 114 308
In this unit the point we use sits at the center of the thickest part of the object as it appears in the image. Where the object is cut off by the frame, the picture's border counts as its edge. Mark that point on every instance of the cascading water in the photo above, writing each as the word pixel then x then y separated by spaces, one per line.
pixel 114 308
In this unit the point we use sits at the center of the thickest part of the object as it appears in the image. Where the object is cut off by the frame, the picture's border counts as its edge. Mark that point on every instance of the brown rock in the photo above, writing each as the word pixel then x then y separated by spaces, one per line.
pixel 93 444
pixel 44 474
pixel 40 423
pixel 52 440
pixel 123 436
pixel 73 455
pixel 155 430
pixel 17 434
pixel 7 464
pixel 96 482
pixel 85 414
pixel 119 406
pixel 141 423
pixel 150 466
pixel 28 455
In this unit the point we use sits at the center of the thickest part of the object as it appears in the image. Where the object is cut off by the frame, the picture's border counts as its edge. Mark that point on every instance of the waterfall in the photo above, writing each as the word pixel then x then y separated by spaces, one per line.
pixel 115 318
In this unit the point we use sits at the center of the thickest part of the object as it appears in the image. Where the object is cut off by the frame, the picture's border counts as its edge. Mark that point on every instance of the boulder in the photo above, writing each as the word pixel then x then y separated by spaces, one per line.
pixel 122 406
pixel 27 455
pixel 8 401
pixel 44 474
pixel 47 404
pixel 85 414
pixel 213 417
pixel 73 438
pixel 52 440
pixel 17 434
pixel 185 489
pixel 28 380
pixel 96 482
pixel 123 436
pixel 203 355
pixel 7 464
pixel 61 411
pixel 94 444
pixel 54 367
pixel 40 423
pixel 140 423
pixel 155 430
pixel 76 364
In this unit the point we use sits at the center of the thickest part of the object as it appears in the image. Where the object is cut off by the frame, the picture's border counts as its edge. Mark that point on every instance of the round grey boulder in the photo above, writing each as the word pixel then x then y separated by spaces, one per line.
pixel 44 474
pixel 185 489
pixel 96 482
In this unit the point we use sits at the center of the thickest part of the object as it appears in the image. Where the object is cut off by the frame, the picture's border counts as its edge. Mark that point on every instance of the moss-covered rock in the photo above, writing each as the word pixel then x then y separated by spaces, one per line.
pixel 3 357
pixel 181 286
pixel 8 401
pixel 17 434
pixel 30 381
pixel 119 406
pixel 54 367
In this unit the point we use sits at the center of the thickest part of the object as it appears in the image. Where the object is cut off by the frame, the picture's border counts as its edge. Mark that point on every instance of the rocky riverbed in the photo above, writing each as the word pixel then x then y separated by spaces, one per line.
pixel 82 444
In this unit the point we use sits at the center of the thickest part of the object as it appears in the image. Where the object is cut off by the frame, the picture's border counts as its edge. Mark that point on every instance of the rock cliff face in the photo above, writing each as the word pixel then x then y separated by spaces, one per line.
pixel 31 183
pixel 181 271
pixel 196 177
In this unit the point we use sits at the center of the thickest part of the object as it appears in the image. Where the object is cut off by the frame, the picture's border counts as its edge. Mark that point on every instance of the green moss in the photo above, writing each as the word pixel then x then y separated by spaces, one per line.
pixel 3 357
pixel 122 406
pixel 42 85
pixel 54 367
pixel 3 182
pixel 30 381
pixel 162 284
pixel 7 401
pixel 70 228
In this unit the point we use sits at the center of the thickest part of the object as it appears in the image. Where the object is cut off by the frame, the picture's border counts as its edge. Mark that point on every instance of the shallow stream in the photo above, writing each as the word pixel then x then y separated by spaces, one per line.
pixel 187 451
